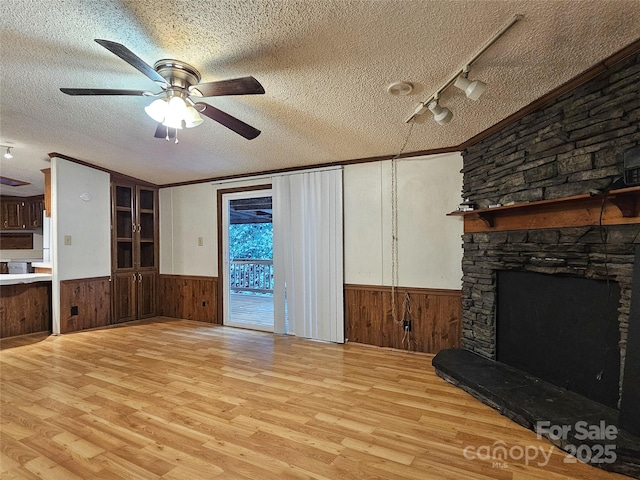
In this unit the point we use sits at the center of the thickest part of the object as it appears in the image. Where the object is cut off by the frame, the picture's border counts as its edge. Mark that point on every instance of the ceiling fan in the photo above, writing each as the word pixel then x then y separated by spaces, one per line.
pixel 180 84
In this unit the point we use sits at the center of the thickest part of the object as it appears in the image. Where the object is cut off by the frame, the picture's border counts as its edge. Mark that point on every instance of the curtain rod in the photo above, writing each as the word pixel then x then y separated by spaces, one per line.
pixel 279 174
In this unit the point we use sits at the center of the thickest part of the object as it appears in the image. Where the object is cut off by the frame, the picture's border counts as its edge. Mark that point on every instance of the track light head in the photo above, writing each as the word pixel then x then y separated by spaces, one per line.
pixel 8 155
pixel 472 90
pixel 442 115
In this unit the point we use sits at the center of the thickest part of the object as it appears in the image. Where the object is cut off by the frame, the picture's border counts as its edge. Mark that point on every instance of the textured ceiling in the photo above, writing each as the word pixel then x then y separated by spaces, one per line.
pixel 325 66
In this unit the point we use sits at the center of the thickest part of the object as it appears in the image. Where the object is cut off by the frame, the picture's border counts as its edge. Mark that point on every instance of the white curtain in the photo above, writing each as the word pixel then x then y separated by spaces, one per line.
pixel 307 255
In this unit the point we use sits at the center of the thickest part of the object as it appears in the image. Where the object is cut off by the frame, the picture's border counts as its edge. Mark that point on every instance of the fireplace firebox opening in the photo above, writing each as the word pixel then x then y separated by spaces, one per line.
pixel 562 329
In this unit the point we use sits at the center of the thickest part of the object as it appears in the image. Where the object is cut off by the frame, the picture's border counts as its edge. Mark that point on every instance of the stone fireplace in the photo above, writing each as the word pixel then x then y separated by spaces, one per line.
pixel 560 210
pixel 565 252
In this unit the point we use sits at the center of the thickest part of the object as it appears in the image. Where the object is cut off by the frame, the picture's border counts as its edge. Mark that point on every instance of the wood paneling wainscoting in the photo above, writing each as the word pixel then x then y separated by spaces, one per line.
pixel 189 297
pixel 91 298
pixel 436 317
pixel 25 308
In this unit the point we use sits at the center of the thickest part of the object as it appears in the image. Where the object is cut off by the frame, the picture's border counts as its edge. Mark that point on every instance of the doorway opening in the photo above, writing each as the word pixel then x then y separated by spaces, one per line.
pixel 247 259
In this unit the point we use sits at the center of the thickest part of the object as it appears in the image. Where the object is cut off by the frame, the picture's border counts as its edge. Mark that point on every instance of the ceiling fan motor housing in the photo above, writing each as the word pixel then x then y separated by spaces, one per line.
pixel 177 73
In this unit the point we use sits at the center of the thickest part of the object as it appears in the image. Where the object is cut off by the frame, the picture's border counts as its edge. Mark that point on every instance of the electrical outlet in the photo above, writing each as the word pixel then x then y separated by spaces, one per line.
pixel 406 325
pixel 200 241
pixel 67 239
pixel 74 310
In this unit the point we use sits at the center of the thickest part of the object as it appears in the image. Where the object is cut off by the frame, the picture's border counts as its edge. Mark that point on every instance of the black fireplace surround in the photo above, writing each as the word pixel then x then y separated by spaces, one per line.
pixel 573 145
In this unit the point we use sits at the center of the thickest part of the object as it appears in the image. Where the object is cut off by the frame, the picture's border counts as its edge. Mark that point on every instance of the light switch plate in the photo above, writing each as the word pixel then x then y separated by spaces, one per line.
pixel 200 241
pixel 67 239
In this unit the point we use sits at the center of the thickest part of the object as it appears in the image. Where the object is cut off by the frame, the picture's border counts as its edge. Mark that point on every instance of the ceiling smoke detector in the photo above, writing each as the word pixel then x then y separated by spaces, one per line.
pixel 400 88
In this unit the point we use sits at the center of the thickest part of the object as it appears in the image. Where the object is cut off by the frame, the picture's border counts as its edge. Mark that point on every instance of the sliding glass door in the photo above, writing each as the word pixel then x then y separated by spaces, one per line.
pixel 247 241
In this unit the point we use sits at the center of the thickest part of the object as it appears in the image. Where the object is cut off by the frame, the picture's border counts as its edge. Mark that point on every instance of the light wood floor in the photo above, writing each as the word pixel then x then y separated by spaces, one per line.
pixel 177 399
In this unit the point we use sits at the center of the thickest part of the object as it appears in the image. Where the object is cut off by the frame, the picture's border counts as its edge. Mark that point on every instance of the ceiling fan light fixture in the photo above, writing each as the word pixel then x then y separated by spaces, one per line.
pixel 176 112
pixel 157 109
pixel 192 118
pixel 177 107
pixel 172 122
pixel 472 89
pixel 442 115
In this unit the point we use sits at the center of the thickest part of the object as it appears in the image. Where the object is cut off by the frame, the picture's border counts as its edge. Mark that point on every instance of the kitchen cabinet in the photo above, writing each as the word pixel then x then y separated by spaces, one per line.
pixel 21 213
pixel 12 214
pixel 134 251
pixel 34 209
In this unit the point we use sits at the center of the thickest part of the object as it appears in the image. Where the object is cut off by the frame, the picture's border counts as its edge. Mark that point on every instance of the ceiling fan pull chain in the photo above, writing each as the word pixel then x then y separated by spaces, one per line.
pixel 176 136
pixel 167 137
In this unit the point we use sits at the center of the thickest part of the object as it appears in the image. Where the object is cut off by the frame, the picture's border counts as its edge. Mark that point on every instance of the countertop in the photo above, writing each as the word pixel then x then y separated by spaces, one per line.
pixel 17 278
pixel 40 264
pixel 28 260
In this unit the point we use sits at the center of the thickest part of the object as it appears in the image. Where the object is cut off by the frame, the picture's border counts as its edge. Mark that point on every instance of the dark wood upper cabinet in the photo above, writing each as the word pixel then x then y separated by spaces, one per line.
pixel 21 213
pixel 12 214
pixel 35 209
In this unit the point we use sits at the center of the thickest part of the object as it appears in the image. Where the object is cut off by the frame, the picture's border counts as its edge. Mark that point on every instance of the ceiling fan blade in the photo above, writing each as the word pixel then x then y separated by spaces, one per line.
pixel 232 123
pixel 105 91
pixel 164 132
pixel 235 86
pixel 132 59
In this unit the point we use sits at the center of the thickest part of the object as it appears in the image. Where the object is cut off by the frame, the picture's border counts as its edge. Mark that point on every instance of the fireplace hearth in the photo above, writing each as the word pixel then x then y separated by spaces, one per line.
pixel 546 409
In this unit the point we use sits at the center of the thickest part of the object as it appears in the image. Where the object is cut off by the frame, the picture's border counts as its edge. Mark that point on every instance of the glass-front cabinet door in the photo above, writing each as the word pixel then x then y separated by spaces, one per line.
pixel 124 227
pixel 146 227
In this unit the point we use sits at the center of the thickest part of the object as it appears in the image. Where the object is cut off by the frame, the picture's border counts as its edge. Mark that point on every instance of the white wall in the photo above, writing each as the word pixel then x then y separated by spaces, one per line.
pixel 186 213
pixel 87 222
pixel 430 245
pixel 429 242
pixel 366 207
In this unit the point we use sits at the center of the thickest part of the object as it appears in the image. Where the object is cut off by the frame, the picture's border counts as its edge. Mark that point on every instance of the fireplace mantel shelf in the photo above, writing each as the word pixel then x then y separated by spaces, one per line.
pixel 621 206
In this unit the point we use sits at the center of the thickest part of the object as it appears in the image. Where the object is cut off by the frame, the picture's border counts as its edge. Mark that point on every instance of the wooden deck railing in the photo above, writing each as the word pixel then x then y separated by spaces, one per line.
pixel 251 275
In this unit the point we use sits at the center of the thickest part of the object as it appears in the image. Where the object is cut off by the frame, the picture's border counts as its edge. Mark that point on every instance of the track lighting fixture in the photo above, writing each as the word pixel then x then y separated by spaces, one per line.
pixel 8 155
pixel 472 89
pixel 442 115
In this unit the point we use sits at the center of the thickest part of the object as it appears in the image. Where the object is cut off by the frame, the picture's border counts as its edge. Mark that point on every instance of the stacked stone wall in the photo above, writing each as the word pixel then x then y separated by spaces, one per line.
pixel 572 146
